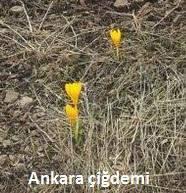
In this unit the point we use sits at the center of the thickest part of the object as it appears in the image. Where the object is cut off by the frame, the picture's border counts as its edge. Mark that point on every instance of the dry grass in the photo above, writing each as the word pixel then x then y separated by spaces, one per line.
pixel 132 109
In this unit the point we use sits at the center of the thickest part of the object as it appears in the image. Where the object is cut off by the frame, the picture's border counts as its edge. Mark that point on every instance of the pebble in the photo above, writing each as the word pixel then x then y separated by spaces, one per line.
pixel 25 101
pixel 120 3
pixel 16 9
pixel 11 96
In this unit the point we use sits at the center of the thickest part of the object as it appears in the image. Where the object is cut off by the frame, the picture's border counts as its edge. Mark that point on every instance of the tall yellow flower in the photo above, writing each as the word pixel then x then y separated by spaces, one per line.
pixel 72 113
pixel 73 90
pixel 115 35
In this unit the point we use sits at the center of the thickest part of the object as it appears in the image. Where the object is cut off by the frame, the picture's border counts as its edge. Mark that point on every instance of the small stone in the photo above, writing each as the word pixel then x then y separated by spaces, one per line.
pixel 11 96
pixel 25 101
pixel 16 9
pixel 121 3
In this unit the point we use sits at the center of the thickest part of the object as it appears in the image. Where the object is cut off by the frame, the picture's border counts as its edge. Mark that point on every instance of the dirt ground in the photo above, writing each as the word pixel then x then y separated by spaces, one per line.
pixel 132 108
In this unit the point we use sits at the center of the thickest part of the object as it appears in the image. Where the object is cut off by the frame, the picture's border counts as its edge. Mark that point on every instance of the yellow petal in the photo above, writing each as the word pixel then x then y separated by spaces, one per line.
pixel 72 113
pixel 115 35
pixel 73 90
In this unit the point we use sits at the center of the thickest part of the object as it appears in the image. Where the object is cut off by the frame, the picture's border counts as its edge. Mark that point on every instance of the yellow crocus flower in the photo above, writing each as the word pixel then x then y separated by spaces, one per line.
pixel 115 35
pixel 73 90
pixel 72 113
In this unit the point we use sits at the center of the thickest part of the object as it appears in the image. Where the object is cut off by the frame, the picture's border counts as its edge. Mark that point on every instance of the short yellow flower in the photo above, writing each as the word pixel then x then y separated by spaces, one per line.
pixel 115 35
pixel 72 113
pixel 73 90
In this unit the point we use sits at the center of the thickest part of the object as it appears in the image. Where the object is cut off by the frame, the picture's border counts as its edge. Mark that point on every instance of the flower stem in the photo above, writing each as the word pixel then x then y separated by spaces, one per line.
pixel 117 52
pixel 76 131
